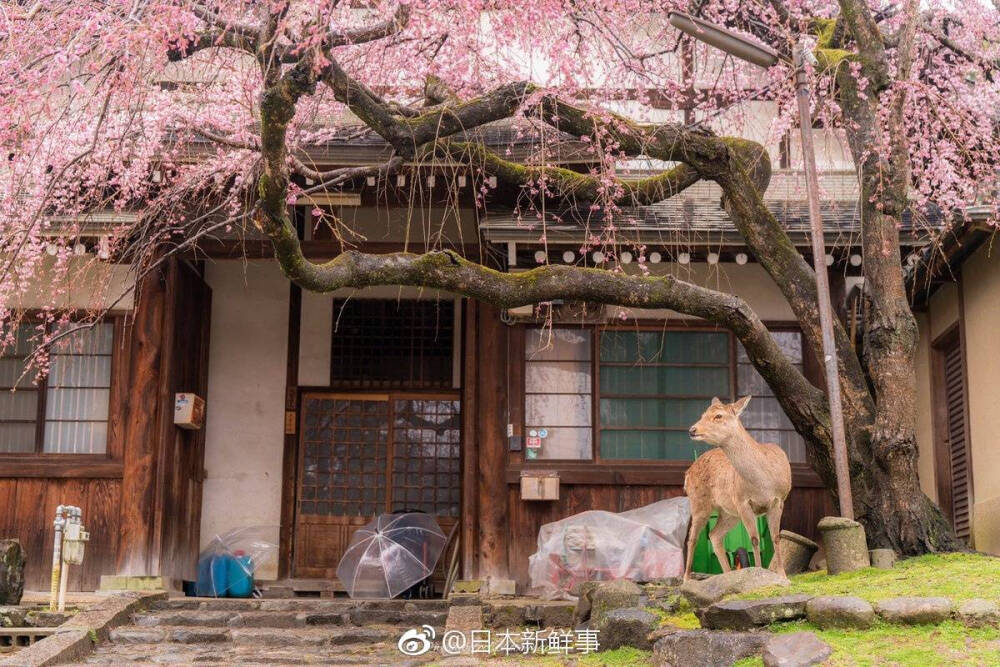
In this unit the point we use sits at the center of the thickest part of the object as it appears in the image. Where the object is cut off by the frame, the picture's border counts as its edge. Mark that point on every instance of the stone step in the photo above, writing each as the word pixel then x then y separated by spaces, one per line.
pixel 227 654
pixel 291 637
pixel 295 604
pixel 290 619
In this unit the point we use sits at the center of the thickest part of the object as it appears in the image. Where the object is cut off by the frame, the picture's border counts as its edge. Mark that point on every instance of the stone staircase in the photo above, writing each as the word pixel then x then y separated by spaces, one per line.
pixel 279 631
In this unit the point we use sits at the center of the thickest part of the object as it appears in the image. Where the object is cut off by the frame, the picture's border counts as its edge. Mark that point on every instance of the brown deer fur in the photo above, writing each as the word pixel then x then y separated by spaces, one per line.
pixel 741 479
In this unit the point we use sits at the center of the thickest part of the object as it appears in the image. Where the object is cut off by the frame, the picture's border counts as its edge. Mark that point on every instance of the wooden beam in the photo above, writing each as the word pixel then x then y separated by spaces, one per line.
pixel 60 465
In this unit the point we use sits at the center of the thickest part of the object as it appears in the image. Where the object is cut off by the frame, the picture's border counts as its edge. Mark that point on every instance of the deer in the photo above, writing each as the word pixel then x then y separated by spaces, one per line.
pixel 739 477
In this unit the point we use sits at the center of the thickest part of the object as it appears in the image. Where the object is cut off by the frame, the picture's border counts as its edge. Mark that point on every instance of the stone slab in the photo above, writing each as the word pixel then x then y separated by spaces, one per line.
pixel 915 610
pixel 979 613
pixel 750 614
pixel 797 649
pixel 705 592
pixel 831 611
pixel 707 648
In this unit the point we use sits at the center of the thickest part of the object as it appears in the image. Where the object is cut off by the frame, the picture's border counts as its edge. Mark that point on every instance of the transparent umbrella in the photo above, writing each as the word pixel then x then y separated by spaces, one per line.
pixel 390 554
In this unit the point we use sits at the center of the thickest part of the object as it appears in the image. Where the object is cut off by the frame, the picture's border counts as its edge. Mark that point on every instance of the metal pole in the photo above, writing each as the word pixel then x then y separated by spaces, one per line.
pixel 823 289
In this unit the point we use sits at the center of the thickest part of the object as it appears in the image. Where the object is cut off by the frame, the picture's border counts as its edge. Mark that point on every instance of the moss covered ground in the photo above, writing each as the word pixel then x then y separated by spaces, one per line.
pixel 956 576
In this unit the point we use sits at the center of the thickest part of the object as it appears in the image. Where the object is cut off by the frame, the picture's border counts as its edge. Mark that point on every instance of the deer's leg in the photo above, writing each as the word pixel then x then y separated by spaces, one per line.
pixel 725 524
pixel 698 520
pixel 774 525
pixel 750 522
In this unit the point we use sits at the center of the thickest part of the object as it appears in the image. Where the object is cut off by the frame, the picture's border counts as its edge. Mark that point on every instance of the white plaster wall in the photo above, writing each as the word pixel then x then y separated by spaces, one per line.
pixel 85 283
pixel 943 310
pixel 244 435
pixel 750 282
pixel 981 300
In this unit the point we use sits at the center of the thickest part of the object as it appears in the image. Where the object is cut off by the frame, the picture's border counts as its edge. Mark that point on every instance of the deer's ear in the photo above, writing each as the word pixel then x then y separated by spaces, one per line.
pixel 716 401
pixel 741 405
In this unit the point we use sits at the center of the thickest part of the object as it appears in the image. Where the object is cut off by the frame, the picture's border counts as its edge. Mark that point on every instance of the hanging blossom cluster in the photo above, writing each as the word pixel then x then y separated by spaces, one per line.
pixel 98 112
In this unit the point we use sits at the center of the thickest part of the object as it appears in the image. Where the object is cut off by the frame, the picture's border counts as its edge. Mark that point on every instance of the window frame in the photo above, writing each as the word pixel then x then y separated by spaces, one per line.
pixel 596 461
pixel 112 447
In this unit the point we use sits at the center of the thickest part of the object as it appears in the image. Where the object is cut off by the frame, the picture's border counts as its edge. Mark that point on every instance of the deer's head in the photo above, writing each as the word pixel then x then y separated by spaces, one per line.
pixel 720 422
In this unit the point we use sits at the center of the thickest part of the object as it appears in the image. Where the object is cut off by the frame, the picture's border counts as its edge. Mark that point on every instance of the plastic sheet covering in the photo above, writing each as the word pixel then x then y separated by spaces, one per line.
pixel 643 544
pixel 390 554
pixel 227 565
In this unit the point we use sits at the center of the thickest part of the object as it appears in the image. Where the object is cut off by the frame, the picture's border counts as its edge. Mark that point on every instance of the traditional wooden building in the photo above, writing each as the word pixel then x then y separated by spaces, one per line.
pixel 324 410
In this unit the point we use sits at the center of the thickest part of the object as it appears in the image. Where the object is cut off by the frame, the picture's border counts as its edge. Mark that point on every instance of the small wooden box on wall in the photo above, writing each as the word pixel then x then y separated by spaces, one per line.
pixel 538 485
pixel 189 411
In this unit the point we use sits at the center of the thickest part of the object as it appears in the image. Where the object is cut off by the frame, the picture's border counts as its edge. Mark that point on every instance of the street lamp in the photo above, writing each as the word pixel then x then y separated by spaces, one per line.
pixel 764 56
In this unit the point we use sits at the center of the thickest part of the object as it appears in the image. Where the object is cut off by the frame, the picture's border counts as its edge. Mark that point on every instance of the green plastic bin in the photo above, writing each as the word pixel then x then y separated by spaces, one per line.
pixel 704 558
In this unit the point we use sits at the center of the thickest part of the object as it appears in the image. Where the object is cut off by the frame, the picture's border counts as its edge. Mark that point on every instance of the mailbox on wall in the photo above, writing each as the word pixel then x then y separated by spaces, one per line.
pixel 539 485
pixel 189 411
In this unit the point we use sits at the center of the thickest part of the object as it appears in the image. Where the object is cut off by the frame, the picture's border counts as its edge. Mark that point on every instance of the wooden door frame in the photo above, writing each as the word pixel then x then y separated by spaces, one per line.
pixel 939 419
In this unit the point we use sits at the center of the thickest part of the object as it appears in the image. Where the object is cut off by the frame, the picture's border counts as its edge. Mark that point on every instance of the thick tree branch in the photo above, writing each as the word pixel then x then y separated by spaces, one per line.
pixel 562 182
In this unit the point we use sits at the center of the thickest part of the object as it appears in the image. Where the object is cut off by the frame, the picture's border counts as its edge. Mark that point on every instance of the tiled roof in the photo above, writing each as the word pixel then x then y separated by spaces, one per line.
pixel 697 216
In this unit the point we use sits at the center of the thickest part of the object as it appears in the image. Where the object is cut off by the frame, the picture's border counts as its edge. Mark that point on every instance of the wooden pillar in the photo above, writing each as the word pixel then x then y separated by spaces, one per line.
pixel 289 457
pixel 492 441
pixel 141 429
pixel 470 438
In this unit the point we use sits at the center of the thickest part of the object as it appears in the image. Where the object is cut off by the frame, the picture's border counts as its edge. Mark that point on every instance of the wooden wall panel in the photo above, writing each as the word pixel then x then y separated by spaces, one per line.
pixel 27 509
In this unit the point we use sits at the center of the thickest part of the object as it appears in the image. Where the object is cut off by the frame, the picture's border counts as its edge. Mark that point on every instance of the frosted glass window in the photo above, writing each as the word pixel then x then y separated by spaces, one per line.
pixel 558 406
pixel 763 417
pixel 66 412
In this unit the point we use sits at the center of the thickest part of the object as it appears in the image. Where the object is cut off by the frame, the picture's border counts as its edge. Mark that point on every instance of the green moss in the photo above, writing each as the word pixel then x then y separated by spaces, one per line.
pixel 950 643
pixel 823 29
pixel 622 657
pixel 682 618
pixel 955 575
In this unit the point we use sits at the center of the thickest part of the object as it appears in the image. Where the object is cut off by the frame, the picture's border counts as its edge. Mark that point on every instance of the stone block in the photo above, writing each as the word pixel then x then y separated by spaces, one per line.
pixel 115 582
pixel 501 588
pixel 467 586
pixel 11 572
pixel 915 610
pixel 12 617
pixel 606 596
pixel 845 544
pixel 979 613
pixel 840 612
pixel 750 614
pixel 883 559
pixel 707 648
pixel 626 627
pixel 465 618
pixel 796 551
pixel 502 615
pixel 46 619
pixel 797 649
pixel 58 649
pixel 705 592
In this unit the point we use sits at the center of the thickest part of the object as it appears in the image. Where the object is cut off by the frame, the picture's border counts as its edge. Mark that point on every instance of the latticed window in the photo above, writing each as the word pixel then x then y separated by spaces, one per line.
pixel 654 385
pixel 393 343
pixel 638 395
pixel 67 411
